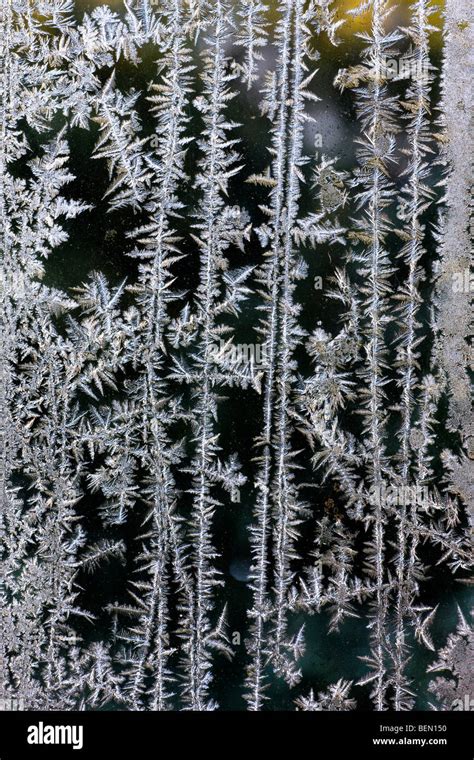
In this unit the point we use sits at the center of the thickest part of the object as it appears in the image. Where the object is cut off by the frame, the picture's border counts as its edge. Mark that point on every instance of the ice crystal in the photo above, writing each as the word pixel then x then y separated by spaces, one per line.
pixel 279 351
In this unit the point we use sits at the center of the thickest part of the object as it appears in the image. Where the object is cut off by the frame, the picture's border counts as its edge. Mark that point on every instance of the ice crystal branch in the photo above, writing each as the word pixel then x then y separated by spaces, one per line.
pixel 140 439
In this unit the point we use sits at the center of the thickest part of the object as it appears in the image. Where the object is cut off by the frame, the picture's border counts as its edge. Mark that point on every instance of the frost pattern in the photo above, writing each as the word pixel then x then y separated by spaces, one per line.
pixel 117 396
